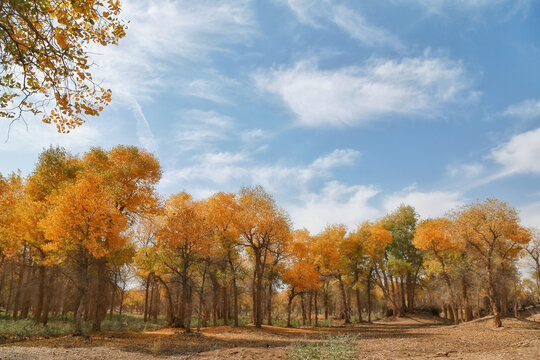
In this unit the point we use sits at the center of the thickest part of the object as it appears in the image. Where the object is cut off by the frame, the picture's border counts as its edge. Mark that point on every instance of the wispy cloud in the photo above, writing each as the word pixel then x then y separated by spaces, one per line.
pixel 527 109
pixel 359 94
pixel 316 12
pixel 165 34
pixel 231 170
pixel 198 129
pixel 439 6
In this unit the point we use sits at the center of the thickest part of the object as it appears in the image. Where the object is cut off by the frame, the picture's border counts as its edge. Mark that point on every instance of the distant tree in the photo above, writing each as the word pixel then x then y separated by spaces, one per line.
pixel 491 229
pixel 405 260
pixel 434 237
pixel 264 229
pixel 533 251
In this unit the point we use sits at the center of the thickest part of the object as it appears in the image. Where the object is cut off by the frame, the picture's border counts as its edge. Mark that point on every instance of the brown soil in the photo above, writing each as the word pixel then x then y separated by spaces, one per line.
pixel 418 337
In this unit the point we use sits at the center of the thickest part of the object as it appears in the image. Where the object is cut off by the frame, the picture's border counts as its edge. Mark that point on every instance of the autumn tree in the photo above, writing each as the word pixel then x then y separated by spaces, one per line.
pixel 327 257
pixel 376 241
pixel 300 274
pixel 491 229
pixel 45 64
pixel 435 238
pixel 404 260
pixel 221 210
pixel 55 167
pixel 186 239
pixel 533 252
pixel 264 228
pixel 84 226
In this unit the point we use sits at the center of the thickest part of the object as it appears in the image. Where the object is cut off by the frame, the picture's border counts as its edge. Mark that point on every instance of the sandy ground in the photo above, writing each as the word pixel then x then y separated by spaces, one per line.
pixel 406 338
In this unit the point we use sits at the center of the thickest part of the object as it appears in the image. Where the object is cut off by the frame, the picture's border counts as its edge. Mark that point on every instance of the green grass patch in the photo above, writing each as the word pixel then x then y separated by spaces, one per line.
pixel 340 347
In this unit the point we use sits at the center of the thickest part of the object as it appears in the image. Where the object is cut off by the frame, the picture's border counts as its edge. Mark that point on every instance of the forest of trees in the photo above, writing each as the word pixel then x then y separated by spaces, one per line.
pixel 89 236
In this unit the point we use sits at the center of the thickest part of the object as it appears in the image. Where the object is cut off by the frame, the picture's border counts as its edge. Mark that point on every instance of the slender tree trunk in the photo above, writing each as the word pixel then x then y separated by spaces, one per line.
pixel 122 293
pixel 10 292
pixel 369 295
pixel 316 308
pixel 41 295
pixel 113 294
pixel 465 296
pixel 325 300
pixel 147 285
pixel 491 294
pixel 359 305
pixel 189 310
pixel 215 298
pixel 289 309
pixel 235 291
pixel 201 296
pixel 152 298
pixel 310 306
pixel 402 290
pixel 100 301
pixel 303 309
pixel 344 300
pixel 20 281
pixel 269 304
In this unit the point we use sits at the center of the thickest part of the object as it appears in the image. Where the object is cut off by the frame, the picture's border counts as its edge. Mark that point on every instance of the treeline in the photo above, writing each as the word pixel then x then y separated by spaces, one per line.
pixel 80 232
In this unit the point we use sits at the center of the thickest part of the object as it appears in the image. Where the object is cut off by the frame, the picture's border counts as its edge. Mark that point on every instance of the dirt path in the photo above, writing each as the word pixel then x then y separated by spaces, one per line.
pixel 417 338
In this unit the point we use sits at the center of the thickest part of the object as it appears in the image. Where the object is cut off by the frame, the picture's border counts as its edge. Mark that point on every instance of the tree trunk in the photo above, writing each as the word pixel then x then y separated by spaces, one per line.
pixel 189 310
pixel 113 294
pixel 289 309
pixel 269 304
pixel 303 309
pixel 344 300
pixel 100 301
pixel 235 292
pixel 358 304
pixel 20 281
pixel 316 308
pixel 369 296
pixel 41 295
pixel 201 296
pixel 310 306
pixel 491 294
pixel 325 300
pixel 146 288
pixel 465 296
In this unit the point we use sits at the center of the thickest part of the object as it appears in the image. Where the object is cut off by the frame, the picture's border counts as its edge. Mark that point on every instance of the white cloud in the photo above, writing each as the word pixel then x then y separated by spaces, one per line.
pixel 530 214
pixel 527 109
pixel 439 6
pixel 236 169
pixel 427 204
pixel 222 158
pixel 165 34
pixel 520 155
pixel 358 28
pixel 315 12
pixel 199 128
pixel 356 95
pixel 468 170
pixel 338 157
pixel 253 134
pixel 335 203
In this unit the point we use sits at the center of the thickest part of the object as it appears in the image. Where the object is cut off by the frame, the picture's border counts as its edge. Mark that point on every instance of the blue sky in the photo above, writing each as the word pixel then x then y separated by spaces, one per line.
pixel 341 109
